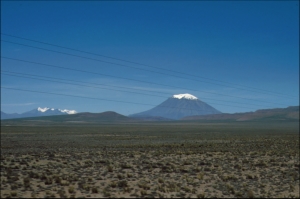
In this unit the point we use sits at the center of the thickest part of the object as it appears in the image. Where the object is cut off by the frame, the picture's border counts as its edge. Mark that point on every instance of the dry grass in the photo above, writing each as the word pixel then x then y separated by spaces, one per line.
pixel 142 161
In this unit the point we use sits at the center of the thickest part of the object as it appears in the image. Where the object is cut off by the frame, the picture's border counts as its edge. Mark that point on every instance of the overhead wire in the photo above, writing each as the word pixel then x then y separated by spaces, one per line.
pixel 39 78
pixel 67 68
pixel 104 99
pixel 150 66
pixel 107 62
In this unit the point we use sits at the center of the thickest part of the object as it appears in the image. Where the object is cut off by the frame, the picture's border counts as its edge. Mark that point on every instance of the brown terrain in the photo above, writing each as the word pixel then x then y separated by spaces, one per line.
pixel 108 155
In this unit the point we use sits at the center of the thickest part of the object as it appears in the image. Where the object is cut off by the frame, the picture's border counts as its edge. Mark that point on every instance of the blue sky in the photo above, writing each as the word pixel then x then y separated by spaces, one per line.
pixel 250 43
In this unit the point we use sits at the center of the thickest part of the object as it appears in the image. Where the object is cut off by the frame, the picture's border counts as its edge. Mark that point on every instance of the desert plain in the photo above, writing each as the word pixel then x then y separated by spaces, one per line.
pixel 150 159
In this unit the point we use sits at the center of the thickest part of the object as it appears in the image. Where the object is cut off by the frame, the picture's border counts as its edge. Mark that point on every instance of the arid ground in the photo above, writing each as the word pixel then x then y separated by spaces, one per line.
pixel 154 159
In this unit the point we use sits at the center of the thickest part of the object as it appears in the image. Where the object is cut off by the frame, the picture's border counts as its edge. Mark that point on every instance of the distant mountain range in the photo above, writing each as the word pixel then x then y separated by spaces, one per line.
pixel 178 106
pixel 175 107
pixel 79 118
pixel 279 114
pixel 37 113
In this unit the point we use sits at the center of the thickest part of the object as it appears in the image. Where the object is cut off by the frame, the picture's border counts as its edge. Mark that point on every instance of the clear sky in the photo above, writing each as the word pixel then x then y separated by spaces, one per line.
pixel 250 43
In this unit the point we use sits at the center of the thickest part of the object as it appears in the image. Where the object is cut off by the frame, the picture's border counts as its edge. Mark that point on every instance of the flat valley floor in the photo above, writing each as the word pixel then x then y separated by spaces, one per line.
pixel 153 159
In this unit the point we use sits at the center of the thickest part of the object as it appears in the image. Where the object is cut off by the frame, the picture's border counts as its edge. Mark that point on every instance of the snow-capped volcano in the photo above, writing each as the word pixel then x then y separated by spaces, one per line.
pixel 185 96
pixel 179 106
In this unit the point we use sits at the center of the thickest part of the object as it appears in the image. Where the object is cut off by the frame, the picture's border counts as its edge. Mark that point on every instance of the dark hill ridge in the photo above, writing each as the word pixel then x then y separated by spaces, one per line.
pixel 289 113
pixel 108 115
pixel 79 117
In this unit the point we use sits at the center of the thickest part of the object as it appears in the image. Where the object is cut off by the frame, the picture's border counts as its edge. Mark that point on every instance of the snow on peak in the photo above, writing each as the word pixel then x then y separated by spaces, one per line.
pixel 185 96
pixel 43 109
pixel 52 109
pixel 68 111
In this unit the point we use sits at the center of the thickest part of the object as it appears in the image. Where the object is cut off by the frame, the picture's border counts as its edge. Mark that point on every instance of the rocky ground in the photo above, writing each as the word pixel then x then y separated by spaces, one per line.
pixel 130 162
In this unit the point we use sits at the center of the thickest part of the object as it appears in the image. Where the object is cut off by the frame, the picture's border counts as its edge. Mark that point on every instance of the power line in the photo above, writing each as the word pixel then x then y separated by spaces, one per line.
pixel 18 75
pixel 147 65
pixel 103 99
pixel 116 87
pixel 75 84
pixel 136 80
pixel 264 91
pixel 98 73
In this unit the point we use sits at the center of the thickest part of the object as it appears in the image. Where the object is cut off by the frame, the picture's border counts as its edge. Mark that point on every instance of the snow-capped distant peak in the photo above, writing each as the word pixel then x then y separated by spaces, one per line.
pixel 52 109
pixel 185 96
pixel 43 109
pixel 68 111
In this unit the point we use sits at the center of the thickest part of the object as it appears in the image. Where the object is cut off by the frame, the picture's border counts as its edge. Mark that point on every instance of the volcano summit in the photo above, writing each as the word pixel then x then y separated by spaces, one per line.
pixel 179 106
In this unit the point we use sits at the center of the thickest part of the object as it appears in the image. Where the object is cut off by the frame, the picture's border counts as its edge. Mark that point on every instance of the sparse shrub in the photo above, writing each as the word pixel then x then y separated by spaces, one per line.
pixel 33 175
pixel 62 193
pixel 249 176
pixel 239 194
pixel 122 183
pixel 186 162
pixel 160 180
pixel 144 185
pixel 33 194
pixel 13 186
pixel 71 189
pixel 126 166
pixel 126 189
pixel 143 192
pixel 186 189
pixel 106 193
pixel 48 180
pixel 110 168
pixel 292 187
pixel 113 184
pixel 57 179
pixel 197 169
pixel 13 194
pixel 200 176
pixel 207 169
pixel 120 176
pixel 201 195
pixel 43 177
pixel 86 187
pixel 250 194
pixel 129 175
pixel 238 166
pixel 94 190
pixel 230 188
pixel 26 182
pixel 183 169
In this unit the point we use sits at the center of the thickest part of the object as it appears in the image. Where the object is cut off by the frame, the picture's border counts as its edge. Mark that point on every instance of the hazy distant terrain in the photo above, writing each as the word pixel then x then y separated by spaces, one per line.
pixel 289 113
pixel 38 112
pixel 280 114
